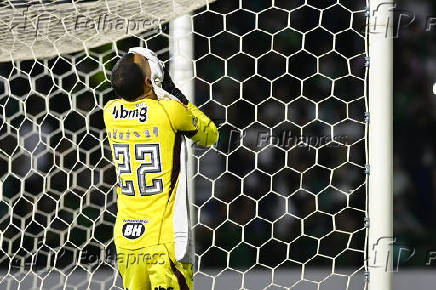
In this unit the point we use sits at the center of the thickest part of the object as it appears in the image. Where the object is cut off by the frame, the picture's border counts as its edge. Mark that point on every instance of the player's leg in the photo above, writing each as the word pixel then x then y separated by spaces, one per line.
pixel 167 273
pixel 133 269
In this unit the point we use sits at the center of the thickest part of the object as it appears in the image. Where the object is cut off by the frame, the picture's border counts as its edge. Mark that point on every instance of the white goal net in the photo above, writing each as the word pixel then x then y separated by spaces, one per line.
pixel 280 201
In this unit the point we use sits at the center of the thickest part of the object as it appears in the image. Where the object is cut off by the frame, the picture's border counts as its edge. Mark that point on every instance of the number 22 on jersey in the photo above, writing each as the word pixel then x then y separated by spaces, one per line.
pixel 152 165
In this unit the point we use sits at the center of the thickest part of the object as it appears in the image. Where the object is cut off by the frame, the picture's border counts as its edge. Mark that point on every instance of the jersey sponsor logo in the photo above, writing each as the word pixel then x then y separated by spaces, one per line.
pixel 194 121
pixel 162 288
pixel 133 229
pixel 140 113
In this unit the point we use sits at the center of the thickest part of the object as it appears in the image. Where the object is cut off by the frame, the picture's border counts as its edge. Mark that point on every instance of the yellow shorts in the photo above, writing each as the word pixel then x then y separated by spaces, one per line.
pixel 153 268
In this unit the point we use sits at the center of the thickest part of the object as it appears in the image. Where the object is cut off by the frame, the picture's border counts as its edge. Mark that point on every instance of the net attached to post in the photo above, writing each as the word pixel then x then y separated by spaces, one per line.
pixel 280 200
pixel 43 28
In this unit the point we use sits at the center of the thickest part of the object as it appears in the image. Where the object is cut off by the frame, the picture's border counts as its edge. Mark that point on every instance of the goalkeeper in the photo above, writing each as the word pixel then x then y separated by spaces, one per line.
pixel 146 127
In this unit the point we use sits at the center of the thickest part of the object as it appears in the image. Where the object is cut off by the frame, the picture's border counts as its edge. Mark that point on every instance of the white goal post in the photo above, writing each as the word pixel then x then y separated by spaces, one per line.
pixel 380 149
pixel 181 53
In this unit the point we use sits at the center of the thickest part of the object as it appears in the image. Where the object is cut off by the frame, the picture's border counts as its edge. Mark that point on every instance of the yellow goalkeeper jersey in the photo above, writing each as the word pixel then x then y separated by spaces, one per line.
pixel 147 141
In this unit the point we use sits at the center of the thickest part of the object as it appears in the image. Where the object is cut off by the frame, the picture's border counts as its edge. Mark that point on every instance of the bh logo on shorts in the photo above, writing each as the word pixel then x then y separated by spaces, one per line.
pixel 133 229
pixel 162 288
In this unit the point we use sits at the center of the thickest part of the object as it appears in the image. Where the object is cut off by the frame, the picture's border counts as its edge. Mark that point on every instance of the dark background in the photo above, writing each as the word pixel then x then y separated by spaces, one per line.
pixel 268 70
pixel 414 118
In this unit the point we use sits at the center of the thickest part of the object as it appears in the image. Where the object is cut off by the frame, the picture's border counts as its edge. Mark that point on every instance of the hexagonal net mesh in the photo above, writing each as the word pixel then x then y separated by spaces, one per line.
pixel 281 199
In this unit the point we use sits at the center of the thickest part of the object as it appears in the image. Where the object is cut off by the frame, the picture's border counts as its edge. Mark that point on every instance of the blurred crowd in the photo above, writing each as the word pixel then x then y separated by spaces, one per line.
pixel 414 124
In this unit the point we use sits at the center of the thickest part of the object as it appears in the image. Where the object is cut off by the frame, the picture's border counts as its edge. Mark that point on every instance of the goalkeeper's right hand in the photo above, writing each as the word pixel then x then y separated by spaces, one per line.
pixel 169 86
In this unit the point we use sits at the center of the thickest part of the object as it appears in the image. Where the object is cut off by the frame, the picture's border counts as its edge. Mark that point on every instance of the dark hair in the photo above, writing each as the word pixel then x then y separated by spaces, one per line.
pixel 128 78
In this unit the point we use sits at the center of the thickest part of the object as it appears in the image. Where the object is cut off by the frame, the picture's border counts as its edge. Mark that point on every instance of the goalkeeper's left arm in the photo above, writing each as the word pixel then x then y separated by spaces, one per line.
pixel 194 123
pixel 191 122
pixel 207 133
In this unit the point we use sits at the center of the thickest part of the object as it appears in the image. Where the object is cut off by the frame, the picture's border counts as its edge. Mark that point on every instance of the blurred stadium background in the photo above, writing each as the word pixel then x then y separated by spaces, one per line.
pixel 58 117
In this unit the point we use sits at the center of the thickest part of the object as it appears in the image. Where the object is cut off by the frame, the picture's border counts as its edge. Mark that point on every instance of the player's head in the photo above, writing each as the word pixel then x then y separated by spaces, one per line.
pixel 131 77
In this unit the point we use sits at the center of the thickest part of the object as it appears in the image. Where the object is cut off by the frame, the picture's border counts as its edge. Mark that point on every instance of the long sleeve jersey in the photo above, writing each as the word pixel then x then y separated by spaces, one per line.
pixel 146 137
